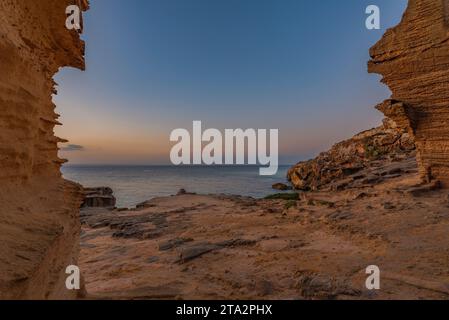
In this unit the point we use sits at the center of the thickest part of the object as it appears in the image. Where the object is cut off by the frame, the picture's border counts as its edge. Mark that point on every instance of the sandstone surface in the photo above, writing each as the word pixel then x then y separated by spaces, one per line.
pixel 413 59
pixel 355 161
pixel 39 214
pixel 231 247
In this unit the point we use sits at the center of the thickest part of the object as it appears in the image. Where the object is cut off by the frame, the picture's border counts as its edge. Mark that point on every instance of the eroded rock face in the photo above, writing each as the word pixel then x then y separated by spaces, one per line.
pixel 39 211
pixel 355 159
pixel 413 59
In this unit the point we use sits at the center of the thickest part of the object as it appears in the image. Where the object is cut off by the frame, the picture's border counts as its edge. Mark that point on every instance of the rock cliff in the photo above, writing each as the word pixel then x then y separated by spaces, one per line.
pixel 39 216
pixel 354 161
pixel 413 59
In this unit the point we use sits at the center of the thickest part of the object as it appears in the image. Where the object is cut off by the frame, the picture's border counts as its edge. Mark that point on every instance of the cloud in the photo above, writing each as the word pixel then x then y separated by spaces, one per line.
pixel 72 147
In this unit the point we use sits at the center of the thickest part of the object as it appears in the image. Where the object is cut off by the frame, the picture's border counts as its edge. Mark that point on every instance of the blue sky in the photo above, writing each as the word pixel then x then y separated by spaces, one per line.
pixel 157 65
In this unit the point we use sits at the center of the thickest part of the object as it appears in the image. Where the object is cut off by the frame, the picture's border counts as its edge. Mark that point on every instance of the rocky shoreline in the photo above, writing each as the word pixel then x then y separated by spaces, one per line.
pixel 361 203
pixel 379 198
pixel 356 161
pixel 316 246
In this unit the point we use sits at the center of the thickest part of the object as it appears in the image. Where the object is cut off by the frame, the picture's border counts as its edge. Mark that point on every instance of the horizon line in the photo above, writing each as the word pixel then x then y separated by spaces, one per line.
pixel 168 165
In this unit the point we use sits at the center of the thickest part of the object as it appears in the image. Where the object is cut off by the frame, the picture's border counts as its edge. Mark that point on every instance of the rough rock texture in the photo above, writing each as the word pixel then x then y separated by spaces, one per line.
pixel 99 197
pixel 354 160
pixel 229 247
pixel 413 59
pixel 39 224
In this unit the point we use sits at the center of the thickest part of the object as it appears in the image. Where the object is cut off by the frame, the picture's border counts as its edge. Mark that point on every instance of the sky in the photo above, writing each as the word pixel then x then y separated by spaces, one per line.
pixel 157 65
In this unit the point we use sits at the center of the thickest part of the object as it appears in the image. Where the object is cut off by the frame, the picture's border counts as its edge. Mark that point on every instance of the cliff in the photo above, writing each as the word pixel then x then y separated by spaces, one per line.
pixel 413 59
pixel 353 162
pixel 39 212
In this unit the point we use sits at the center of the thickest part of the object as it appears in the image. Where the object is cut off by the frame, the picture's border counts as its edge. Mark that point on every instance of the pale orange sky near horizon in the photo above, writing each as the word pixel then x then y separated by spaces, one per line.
pixel 112 139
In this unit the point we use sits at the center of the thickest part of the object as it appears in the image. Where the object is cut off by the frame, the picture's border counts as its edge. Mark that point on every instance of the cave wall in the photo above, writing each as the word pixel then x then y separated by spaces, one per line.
pixel 413 59
pixel 39 210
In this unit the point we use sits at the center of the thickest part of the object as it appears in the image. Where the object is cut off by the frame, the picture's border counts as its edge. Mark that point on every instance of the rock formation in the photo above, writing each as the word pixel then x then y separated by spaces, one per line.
pixel 39 216
pixel 102 197
pixel 354 160
pixel 413 59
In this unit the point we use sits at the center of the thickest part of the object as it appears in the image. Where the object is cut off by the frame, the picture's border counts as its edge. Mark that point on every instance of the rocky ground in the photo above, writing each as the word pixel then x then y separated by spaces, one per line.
pixel 316 247
pixel 347 161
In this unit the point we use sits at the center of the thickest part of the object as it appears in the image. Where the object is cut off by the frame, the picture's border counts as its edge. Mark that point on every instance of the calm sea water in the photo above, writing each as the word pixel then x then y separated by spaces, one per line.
pixel 135 184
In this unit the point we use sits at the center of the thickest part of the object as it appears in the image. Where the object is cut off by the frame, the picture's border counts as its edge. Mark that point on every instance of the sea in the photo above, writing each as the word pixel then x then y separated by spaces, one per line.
pixel 135 184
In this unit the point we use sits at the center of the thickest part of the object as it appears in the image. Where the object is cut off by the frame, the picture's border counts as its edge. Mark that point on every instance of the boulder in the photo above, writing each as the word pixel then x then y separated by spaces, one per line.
pixel 101 197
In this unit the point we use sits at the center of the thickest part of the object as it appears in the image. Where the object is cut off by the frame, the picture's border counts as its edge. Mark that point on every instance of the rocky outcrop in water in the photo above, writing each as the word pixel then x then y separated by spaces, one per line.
pixel 354 159
pixel 102 197
pixel 413 59
pixel 39 223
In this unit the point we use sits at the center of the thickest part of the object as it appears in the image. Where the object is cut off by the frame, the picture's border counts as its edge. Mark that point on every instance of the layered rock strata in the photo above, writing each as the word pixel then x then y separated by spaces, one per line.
pixel 39 213
pixel 354 160
pixel 102 197
pixel 413 59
